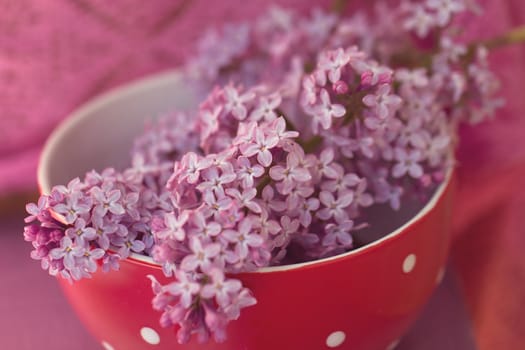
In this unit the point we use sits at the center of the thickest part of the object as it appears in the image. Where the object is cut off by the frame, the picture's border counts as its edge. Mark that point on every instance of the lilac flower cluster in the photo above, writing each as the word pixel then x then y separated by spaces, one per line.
pixel 385 92
pixel 253 199
pixel 425 17
pixel 274 49
pixel 76 225
pixel 107 216
pixel 308 122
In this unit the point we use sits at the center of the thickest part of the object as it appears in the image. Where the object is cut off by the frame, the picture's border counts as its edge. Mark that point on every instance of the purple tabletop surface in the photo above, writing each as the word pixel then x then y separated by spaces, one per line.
pixel 35 315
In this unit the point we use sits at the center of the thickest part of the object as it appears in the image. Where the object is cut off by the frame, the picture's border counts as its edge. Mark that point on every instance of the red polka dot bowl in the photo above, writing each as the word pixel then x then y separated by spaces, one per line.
pixel 362 300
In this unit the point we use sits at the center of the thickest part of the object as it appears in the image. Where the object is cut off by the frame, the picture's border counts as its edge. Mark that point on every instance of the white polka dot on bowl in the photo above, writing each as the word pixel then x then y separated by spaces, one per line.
pixel 393 345
pixel 107 346
pixel 335 339
pixel 409 263
pixel 150 336
pixel 440 275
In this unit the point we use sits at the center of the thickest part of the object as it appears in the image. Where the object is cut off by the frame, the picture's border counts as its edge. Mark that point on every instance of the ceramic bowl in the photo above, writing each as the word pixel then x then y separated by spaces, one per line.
pixel 362 300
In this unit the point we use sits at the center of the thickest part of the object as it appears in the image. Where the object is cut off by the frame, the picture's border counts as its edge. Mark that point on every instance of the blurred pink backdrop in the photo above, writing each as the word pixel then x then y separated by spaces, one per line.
pixel 56 54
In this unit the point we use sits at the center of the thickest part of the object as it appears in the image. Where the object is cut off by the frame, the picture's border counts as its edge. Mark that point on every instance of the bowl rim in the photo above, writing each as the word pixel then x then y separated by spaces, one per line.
pixel 84 111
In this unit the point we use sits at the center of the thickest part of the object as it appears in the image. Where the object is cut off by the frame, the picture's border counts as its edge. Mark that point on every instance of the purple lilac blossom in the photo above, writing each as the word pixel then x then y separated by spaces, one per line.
pixel 309 121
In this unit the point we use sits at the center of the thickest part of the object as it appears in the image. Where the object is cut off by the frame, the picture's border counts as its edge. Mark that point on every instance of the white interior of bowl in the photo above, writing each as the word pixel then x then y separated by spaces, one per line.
pixel 100 134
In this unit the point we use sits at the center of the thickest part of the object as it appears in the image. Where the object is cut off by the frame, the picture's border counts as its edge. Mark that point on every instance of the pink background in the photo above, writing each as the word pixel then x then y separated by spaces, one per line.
pixel 56 54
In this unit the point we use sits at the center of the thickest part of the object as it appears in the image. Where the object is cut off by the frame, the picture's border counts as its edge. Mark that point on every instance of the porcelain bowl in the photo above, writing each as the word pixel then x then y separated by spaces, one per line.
pixel 362 300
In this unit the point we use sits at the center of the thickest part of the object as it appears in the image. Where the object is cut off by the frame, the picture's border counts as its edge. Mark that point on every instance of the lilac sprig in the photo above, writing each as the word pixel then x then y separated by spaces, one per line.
pixel 309 122
pixel 93 222
pixel 253 197
pixel 107 217
pixel 364 133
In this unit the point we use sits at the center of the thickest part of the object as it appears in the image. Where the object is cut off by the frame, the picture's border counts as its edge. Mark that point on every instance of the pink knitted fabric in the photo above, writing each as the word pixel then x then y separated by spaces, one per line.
pixel 54 55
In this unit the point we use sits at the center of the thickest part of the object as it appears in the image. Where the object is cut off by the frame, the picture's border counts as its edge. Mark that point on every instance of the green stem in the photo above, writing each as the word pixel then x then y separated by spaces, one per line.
pixel 289 125
pixel 514 36
pixel 408 59
pixel 266 179
pixel 311 144
pixel 339 6
pixel 308 145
